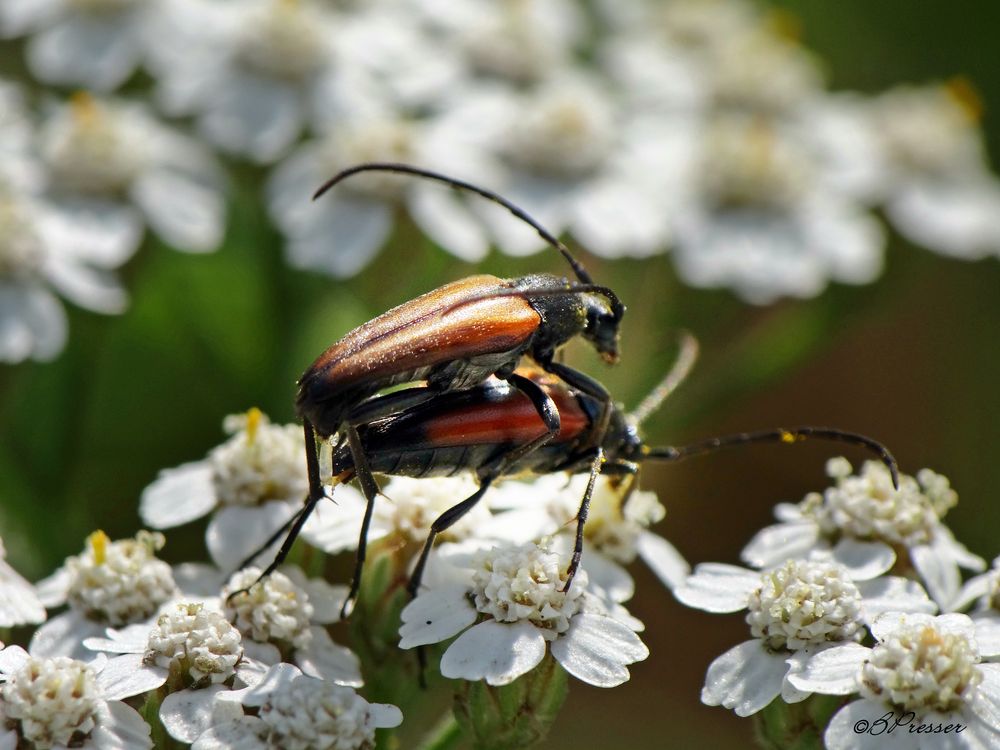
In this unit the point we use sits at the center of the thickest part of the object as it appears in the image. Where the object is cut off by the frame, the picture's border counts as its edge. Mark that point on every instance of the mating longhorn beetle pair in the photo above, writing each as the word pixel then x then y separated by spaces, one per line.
pixel 466 340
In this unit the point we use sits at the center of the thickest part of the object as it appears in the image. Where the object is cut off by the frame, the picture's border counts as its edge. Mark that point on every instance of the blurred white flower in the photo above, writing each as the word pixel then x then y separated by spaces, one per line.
pixel 19 602
pixel 109 583
pixel 514 594
pixel 863 522
pixel 937 187
pixel 576 161
pixel 340 233
pixel 61 702
pixel 281 618
pixel 796 611
pixel 760 218
pixel 113 166
pixel 297 712
pixel 517 41
pixel 94 44
pixel 44 249
pixel 194 651
pixel 255 480
pixel 925 670
pixel 251 71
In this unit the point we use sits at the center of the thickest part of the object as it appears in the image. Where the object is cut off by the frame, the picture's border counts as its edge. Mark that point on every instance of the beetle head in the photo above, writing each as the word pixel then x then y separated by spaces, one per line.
pixel 604 315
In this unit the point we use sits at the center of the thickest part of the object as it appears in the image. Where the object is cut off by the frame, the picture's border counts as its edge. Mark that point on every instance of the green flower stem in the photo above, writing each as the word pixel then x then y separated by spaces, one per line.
pixel 518 715
pixel 445 735
pixel 795 726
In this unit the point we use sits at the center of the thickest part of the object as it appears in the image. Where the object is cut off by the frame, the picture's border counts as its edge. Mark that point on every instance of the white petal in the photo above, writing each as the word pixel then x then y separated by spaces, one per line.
pixel 132 639
pixel 184 213
pixel 862 725
pixel 939 573
pixel 596 648
pixel 236 532
pixel 335 528
pixel 97 53
pixel 199 580
pixel 264 653
pixel 188 713
pixel 436 616
pixel 833 671
pixel 19 604
pixel 54 589
pixel 496 652
pixel 385 715
pixel 63 636
pixel 18 17
pixel 973 589
pixel 246 733
pixel 605 575
pixel 447 220
pixel 663 559
pixel 326 599
pixel 278 677
pixel 717 587
pixel 89 288
pixel 613 218
pixel 328 660
pixel 342 238
pixel 255 117
pixel 12 658
pixel 988 634
pixel 893 593
pixel 178 495
pixel 864 560
pixel 987 702
pixel 120 727
pixel 32 323
pixel 125 676
pixel 745 678
pixel 773 545
pixel 960 219
pixel 102 233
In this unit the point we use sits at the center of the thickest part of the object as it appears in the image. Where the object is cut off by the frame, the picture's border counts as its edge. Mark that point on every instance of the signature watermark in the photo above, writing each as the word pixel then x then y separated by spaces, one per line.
pixel 891 721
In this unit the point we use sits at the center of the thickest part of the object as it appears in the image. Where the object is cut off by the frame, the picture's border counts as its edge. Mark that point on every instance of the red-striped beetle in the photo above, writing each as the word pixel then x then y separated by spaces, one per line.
pixel 493 429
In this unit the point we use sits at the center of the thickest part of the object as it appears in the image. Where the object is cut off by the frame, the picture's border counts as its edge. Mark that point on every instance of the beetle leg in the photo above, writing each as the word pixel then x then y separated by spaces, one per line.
pixel 550 415
pixel 581 518
pixel 294 524
pixel 370 489
pixel 591 387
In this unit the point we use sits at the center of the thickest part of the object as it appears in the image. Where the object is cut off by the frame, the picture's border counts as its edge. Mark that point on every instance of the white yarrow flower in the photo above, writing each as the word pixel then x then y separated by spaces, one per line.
pixel 61 702
pixel 616 532
pixel 95 44
pixel 795 612
pixel 112 164
pixel 255 480
pixel 109 583
pixel 281 618
pixel 298 712
pixel 863 521
pixel 925 670
pixel 252 71
pixel 984 590
pixel 191 649
pixel 513 601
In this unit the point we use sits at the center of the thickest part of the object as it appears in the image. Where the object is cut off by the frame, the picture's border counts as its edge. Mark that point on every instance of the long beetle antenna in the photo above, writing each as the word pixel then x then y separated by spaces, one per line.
pixel 778 435
pixel 686 357
pixel 520 213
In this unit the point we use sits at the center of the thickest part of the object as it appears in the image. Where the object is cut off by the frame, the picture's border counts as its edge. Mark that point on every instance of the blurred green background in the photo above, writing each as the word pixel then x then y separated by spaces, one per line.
pixel 912 360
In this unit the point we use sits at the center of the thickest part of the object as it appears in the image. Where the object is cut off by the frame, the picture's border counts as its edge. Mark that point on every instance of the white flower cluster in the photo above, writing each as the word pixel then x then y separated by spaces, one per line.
pixel 824 595
pixel 637 126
